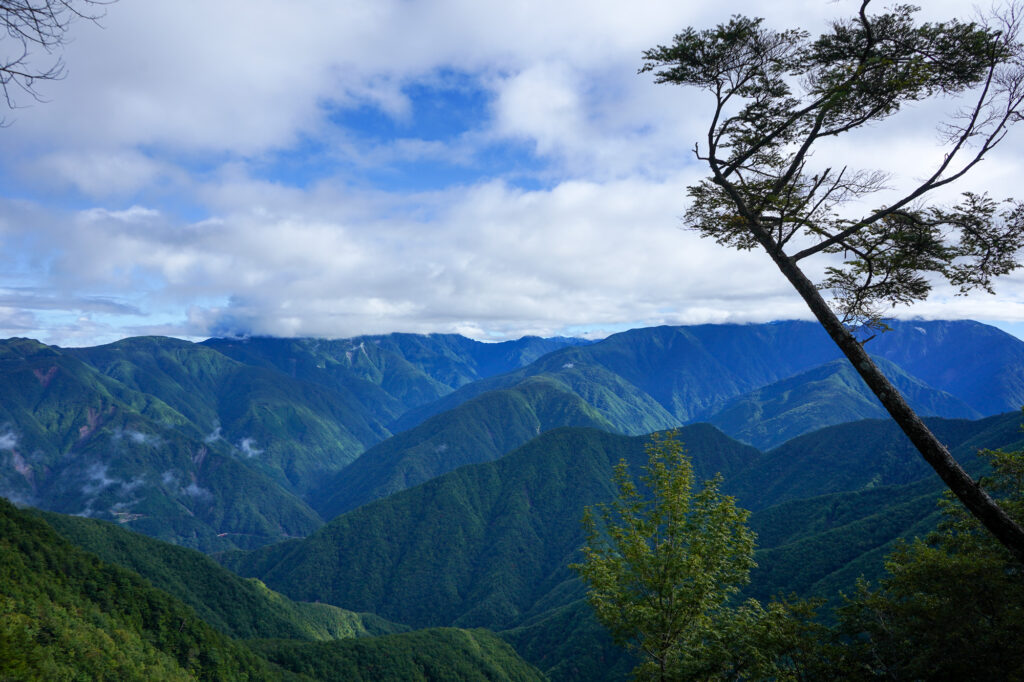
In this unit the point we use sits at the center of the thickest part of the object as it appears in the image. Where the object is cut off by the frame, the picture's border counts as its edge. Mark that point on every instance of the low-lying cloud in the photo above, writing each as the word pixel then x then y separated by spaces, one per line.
pixel 248 448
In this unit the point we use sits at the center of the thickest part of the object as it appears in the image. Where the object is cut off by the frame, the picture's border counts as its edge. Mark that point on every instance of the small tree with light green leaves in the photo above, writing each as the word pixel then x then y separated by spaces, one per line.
pixel 662 568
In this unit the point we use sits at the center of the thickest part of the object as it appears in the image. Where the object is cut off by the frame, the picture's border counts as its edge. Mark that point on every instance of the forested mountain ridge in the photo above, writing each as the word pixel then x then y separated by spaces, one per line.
pixel 67 614
pixel 518 515
pixel 391 373
pixel 688 374
pixel 237 607
pixel 78 441
pixel 649 379
pixel 234 450
pixel 234 442
pixel 479 430
pixel 181 442
pixel 489 544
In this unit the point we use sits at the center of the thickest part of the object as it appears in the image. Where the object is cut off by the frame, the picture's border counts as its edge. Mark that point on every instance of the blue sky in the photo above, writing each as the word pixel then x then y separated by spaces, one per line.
pixel 334 168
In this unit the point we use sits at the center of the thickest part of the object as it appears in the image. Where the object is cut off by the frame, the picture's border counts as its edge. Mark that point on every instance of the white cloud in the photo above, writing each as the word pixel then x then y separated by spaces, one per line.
pixel 171 117
pixel 197 493
pixel 104 173
pixel 213 437
pixel 248 448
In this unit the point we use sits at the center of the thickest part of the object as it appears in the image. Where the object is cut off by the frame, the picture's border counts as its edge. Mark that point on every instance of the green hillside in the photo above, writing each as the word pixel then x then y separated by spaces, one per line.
pixel 425 655
pixel 484 545
pixel 64 614
pixel 392 373
pixel 451 540
pixel 81 442
pixel 292 430
pixel 67 614
pixel 238 607
pixel 488 544
pixel 480 430
pixel 855 456
pixel 837 538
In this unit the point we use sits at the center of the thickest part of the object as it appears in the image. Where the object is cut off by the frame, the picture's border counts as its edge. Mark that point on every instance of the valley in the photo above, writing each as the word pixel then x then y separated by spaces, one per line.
pixel 309 500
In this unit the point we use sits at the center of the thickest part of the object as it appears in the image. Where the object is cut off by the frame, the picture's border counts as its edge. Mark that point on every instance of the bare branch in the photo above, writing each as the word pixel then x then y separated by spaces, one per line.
pixel 40 25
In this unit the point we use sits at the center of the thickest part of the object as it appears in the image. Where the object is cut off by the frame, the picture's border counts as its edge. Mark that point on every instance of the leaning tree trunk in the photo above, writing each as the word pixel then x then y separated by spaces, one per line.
pixel 967 490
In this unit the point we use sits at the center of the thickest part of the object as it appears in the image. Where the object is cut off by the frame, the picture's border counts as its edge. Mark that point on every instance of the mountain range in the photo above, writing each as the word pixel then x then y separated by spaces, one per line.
pixel 235 443
pixel 374 485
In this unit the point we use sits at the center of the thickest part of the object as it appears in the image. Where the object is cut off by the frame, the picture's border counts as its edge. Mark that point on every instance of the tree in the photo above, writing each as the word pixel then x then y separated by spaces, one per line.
pixel 777 95
pixel 41 24
pixel 951 607
pixel 662 567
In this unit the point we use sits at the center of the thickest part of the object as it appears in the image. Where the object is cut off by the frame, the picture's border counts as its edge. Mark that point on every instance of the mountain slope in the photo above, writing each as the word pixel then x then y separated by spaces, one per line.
pixel 392 373
pixel 665 375
pixel 65 614
pixel 292 430
pixel 479 546
pixel 77 441
pixel 853 456
pixel 978 363
pixel 237 607
pixel 420 656
pixel 68 615
pixel 480 430
pixel 484 545
pixel 829 394
pixel 489 544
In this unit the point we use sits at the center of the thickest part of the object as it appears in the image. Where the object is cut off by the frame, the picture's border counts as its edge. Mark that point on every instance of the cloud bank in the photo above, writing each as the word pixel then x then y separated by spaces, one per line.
pixel 334 169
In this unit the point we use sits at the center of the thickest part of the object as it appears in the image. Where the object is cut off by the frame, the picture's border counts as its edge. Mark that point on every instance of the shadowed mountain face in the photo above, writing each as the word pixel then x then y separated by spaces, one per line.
pixel 645 379
pixel 829 394
pixel 648 379
pixel 981 365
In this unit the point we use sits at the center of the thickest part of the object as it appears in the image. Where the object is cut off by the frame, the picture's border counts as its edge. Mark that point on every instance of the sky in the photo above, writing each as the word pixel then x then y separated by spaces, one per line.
pixel 344 167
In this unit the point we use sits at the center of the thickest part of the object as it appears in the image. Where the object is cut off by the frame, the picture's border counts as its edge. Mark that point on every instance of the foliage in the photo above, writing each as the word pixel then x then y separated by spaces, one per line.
pixel 778 94
pixel 950 607
pixel 662 566
pixel 238 607
pixel 433 654
pixel 64 614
